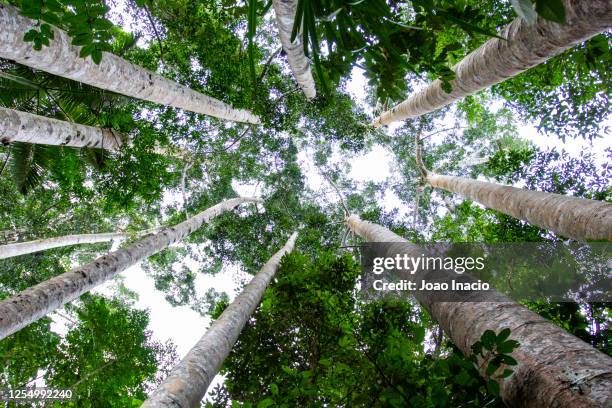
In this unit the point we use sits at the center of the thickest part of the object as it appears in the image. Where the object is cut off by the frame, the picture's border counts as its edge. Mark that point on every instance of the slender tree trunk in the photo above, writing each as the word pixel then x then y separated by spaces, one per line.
pixel 113 73
pixel 17 126
pixel 554 367
pixel 187 383
pixel 572 217
pixel 496 60
pixel 285 17
pixel 33 303
pixel 23 248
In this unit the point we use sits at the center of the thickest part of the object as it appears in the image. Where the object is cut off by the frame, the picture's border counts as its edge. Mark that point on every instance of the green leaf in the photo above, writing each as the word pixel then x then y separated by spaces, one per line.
pixel 96 55
pixel 552 10
pixel 506 359
pixel 82 39
pixel 492 367
pixel 297 22
pixel 30 35
pixel 265 403
pixel 507 373
pixel 503 335
pixel 274 389
pixel 507 346
pixel 87 50
pixel 493 387
pixel 525 10
pixel 488 339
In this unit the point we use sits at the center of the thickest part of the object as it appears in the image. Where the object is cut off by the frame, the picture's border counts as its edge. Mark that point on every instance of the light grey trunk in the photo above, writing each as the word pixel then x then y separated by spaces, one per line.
pixel 473 161
pixel 572 217
pixel 285 17
pixel 33 303
pixel 187 383
pixel 496 60
pixel 113 73
pixel 23 248
pixel 555 368
pixel 17 126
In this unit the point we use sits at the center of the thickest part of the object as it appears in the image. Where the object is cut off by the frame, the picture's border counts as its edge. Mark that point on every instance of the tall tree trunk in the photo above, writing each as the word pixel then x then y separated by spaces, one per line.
pixel 187 383
pixel 496 60
pixel 113 73
pixel 573 217
pixel 285 17
pixel 17 126
pixel 33 303
pixel 23 248
pixel 554 368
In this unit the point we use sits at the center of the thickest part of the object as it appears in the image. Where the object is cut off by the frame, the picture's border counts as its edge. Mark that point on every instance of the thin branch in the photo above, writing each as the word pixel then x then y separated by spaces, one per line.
pixel 331 182
pixel 224 149
pixel 268 62
pixel 159 40
pixel 344 237
pixel 8 154
pixel 183 177
pixel 419 158
pixel 97 370
pixel 444 130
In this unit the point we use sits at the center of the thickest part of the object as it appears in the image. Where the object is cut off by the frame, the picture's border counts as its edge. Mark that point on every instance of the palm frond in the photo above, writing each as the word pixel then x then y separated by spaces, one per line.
pixel 28 165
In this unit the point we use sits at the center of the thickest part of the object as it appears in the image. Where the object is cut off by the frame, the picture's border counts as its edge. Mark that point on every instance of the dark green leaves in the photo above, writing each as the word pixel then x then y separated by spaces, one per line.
pixel 491 352
pixel 28 164
pixel 84 20
pixel 552 10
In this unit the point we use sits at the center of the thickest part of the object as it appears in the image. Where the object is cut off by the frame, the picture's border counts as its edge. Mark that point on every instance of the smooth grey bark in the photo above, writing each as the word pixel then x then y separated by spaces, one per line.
pixel 33 303
pixel 555 368
pixel 573 217
pixel 285 17
pixel 17 126
pixel 187 383
pixel 113 73
pixel 524 47
pixel 23 248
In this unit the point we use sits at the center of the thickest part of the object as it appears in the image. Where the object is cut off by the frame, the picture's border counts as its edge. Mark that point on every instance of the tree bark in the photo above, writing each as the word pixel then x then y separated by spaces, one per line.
pixel 17 126
pixel 496 60
pixel 187 383
pixel 554 367
pixel 33 303
pixel 23 248
pixel 113 73
pixel 572 217
pixel 285 17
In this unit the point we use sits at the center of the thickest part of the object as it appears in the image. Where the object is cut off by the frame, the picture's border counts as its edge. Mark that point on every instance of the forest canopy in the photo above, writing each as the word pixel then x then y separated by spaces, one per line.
pixel 175 170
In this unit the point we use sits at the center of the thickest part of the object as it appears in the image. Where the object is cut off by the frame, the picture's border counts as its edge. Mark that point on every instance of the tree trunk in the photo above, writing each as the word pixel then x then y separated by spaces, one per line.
pixel 187 383
pixel 554 367
pixel 572 217
pixel 17 126
pixel 33 303
pixel 113 73
pixel 497 60
pixel 23 248
pixel 285 17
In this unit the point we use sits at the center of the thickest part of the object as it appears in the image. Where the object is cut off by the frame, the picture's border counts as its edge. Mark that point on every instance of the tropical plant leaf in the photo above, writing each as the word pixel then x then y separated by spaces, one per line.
pixel 28 165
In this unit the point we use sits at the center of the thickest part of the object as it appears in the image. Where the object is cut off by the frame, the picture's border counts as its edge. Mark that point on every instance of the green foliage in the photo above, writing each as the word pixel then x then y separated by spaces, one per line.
pixel 492 353
pixel 84 21
pixel 106 357
pixel 568 95
pixel 27 165
pixel 311 342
